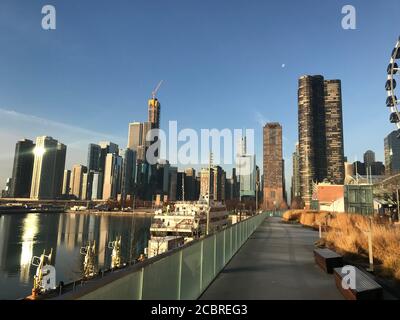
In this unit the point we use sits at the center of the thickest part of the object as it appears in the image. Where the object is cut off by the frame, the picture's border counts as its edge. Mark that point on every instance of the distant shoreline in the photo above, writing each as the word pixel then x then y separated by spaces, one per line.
pixel 112 213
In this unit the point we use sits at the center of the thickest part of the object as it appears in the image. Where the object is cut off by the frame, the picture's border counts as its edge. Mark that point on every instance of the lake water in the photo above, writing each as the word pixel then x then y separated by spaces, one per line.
pixel 23 236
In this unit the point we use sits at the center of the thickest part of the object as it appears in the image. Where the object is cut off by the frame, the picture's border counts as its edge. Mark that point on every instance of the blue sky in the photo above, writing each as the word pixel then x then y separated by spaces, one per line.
pixel 221 62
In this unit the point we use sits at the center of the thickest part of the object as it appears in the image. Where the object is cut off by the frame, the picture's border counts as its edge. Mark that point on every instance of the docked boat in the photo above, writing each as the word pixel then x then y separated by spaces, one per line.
pixel 190 220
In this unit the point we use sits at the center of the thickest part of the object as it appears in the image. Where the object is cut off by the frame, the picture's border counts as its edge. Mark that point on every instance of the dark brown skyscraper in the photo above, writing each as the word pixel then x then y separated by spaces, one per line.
pixel 273 167
pixel 320 133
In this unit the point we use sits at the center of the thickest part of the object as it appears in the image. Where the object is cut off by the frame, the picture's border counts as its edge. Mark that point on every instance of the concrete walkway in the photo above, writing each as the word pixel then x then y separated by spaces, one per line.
pixel 276 263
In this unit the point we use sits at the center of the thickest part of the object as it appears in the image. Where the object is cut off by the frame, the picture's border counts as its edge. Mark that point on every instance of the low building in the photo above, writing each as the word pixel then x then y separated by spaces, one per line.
pixel 329 197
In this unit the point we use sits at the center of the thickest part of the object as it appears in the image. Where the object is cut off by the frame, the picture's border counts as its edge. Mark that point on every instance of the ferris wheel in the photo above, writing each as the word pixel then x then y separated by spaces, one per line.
pixel 393 72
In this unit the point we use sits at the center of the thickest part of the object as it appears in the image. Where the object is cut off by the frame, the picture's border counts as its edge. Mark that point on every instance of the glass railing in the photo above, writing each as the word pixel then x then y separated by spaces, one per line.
pixel 181 274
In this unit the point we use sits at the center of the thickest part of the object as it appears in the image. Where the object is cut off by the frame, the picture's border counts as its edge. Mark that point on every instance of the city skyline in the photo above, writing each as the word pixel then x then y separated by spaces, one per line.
pixel 25 114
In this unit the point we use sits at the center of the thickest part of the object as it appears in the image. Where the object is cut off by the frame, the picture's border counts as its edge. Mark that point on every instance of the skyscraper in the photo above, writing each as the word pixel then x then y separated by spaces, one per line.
pixel 392 154
pixel 320 133
pixel 190 184
pixel 218 181
pixel 173 183
pixel 135 133
pixel 48 168
pixel 295 191
pixel 137 138
pixel 112 176
pixel 59 169
pixel 246 170
pixel 106 148
pixel 273 167
pixel 66 183
pixel 128 172
pixel 77 182
pixel 22 170
pixel 93 159
pixel 206 183
pixel 154 113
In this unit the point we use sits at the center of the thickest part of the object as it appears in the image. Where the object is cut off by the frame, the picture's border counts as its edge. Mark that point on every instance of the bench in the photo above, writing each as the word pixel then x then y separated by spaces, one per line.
pixel 328 259
pixel 365 288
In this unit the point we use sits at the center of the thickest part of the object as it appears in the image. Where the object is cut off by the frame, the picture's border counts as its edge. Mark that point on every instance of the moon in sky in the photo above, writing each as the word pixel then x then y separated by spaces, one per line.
pixel 283 65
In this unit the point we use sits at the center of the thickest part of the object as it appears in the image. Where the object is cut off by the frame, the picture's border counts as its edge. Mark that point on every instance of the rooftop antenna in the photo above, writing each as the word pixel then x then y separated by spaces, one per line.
pixel 156 89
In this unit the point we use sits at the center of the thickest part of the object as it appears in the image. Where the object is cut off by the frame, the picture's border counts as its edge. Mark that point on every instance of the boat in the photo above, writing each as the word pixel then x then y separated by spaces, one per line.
pixel 187 220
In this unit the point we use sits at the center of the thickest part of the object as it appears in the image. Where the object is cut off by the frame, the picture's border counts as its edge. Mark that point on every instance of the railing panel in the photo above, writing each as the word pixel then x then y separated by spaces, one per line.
pixel 182 274
pixel 234 238
pixel 228 245
pixel 127 288
pixel 208 262
pixel 219 263
pixel 190 272
pixel 161 279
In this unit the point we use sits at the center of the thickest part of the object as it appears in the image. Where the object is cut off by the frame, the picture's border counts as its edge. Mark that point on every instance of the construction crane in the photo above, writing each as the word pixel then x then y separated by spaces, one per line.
pixel 156 89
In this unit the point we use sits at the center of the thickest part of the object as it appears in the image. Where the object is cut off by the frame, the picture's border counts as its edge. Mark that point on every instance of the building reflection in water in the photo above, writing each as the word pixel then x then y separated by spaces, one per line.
pixel 25 236
pixel 30 229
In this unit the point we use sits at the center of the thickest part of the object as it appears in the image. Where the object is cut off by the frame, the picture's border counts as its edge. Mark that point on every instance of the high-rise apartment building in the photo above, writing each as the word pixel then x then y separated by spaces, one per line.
pixel 321 146
pixel 22 170
pixel 48 168
pixel 273 167
pixel 392 154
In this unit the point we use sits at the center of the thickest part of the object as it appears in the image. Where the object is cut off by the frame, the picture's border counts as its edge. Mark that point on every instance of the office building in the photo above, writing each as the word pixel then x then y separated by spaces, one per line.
pixel 22 170
pixel 321 147
pixel 48 168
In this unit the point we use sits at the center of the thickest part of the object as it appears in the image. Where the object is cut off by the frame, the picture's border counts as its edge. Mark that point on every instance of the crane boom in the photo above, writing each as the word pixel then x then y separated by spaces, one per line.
pixel 156 89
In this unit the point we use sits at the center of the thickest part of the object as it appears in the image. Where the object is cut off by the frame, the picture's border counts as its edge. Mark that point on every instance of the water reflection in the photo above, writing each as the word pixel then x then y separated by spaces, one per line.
pixel 30 229
pixel 25 236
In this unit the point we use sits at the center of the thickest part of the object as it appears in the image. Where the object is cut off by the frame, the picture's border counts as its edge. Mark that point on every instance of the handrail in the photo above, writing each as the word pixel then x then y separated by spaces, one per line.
pixel 191 258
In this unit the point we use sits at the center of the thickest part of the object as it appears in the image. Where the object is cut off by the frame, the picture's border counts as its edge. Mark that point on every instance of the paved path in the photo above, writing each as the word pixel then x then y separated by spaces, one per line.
pixel 275 263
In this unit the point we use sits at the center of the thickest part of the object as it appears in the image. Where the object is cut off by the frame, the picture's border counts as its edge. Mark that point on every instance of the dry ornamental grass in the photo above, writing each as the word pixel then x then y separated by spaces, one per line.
pixel 347 233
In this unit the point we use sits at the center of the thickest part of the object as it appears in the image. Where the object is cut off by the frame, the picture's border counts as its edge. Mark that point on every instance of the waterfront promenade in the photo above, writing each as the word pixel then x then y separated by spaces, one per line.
pixel 275 263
